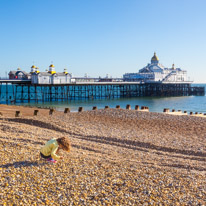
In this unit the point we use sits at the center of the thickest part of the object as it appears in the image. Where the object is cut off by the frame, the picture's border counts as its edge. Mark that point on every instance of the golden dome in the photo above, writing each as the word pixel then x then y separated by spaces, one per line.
pixel 155 58
pixel 33 67
pixel 51 65
pixel 52 72
pixel 65 71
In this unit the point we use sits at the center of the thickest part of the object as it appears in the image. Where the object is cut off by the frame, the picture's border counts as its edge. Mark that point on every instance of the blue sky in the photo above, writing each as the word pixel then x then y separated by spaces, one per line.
pixel 100 37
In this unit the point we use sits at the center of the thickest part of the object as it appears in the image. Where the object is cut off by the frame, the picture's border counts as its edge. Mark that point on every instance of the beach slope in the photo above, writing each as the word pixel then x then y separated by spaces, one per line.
pixel 118 157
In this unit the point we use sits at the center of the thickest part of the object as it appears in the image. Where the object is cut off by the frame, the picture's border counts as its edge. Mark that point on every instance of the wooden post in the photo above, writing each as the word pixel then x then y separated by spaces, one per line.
pixel 106 107
pixel 137 107
pixel 66 110
pixel 36 111
pixel 51 111
pixel 94 108
pixel 166 110
pixel 128 107
pixel 81 109
pixel 17 114
pixel 118 106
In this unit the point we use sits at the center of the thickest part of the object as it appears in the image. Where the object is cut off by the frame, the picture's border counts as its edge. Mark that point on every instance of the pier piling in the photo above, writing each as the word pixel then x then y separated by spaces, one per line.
pixel 25 91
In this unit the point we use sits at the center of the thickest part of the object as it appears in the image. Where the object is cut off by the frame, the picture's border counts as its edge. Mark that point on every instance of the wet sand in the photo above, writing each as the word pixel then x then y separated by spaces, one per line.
pixel 118 157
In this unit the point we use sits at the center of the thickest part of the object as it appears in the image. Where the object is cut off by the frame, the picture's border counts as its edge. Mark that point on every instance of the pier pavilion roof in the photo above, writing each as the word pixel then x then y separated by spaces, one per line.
pixel 12 72
pixel 42 73
pixel 19 71
pixel 62 73
pixel 49 74
pixel 152 68
pixel 155 66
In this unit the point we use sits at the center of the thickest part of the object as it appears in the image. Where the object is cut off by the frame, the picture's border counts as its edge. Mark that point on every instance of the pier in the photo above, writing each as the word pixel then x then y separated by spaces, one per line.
pixel 18 91
pixel 153 80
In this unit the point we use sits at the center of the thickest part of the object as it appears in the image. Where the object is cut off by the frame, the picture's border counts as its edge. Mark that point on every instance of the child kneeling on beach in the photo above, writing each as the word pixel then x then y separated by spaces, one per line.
pixel 49 150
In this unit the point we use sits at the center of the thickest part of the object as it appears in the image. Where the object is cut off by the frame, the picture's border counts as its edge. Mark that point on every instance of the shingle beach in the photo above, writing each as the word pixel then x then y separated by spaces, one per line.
pixel 118 157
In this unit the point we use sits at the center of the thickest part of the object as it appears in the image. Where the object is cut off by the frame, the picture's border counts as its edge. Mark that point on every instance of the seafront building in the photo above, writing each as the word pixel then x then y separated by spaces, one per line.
pixel 50 76
pixel 19 74
pixel 152 80
pixel 37 77
pixel 156 72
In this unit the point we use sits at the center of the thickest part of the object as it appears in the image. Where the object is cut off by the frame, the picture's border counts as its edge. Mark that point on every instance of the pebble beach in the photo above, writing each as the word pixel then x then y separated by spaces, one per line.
pixel 118 157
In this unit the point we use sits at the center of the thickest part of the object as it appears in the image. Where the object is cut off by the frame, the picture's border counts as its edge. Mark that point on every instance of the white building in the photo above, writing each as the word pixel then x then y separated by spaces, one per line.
pixel 158 73
pixel 50 76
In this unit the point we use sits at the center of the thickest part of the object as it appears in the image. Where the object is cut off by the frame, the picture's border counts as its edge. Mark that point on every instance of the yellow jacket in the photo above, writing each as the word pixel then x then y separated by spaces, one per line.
pixel 50 148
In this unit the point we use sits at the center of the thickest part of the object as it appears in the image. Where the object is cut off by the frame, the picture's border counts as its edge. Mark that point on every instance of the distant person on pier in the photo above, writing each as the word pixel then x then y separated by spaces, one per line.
pixel 49 150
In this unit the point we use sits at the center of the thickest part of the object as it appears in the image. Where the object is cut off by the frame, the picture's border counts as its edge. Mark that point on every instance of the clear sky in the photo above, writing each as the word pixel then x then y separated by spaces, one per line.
pixel 100 37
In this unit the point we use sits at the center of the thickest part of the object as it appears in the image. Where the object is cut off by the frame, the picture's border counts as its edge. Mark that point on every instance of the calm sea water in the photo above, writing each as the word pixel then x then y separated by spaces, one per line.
pixel 155 104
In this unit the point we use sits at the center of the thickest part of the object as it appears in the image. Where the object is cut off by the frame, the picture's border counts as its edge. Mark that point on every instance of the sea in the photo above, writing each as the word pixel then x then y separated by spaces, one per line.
pixel 155 104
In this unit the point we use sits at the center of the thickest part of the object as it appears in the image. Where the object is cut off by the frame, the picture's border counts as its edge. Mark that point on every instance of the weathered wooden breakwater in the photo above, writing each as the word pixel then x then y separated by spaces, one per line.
pixel 51 111
pixel 12 91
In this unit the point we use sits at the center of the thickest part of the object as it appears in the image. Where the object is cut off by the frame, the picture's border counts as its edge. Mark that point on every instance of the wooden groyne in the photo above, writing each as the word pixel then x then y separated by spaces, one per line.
pixel 51 111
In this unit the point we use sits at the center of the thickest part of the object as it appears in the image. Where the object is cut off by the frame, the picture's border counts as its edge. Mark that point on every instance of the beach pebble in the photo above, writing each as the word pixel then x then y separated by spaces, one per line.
pixel 118 157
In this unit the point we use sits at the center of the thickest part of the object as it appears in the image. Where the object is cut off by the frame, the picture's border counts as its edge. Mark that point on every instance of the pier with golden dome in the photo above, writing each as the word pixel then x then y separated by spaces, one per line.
pixel 156 72
pixel 152 80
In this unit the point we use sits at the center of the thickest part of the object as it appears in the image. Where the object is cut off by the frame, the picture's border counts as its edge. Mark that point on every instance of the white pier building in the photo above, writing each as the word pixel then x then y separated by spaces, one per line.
pixel 50 76
pixel 156 72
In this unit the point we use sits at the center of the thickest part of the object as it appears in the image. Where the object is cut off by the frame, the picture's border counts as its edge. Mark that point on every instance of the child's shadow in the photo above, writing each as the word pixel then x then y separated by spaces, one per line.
pixel 23 164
